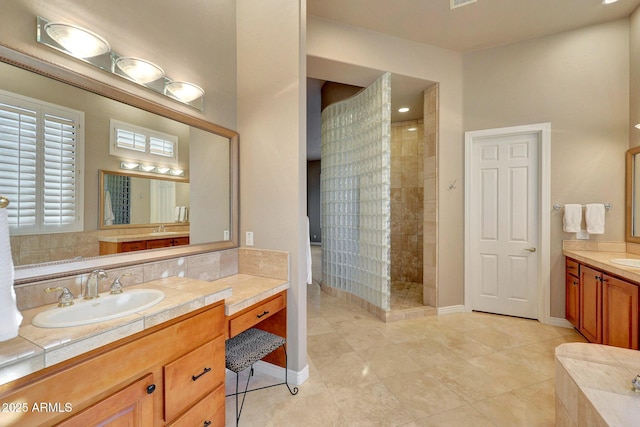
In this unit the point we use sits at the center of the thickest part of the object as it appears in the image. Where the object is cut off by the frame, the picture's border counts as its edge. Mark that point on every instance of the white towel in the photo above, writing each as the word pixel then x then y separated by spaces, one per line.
pixel 309 275
pixel 594 217
pixel 108 209
pixel 572 218
pixel 176 214
pixel 10 317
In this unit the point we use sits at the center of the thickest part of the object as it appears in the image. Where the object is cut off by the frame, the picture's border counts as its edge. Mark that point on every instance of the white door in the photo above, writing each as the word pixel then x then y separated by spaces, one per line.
pixel 503 224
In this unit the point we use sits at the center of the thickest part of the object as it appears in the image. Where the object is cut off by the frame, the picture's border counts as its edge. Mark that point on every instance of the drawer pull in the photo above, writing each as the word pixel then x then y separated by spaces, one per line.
pixel 195 377
pixel 207 423
pixel 575 283
pixel 263 314
pixel 151 388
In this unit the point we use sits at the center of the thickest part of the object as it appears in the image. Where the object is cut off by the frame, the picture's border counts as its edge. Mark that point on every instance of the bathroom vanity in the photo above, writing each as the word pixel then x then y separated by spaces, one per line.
pixel 162 366
pixel 140 242
pixel 602 297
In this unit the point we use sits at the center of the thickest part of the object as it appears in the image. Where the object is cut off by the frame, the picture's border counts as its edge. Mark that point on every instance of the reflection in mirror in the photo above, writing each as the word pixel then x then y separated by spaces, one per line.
pixel 633 195
pixel 212 203
pixel 130 199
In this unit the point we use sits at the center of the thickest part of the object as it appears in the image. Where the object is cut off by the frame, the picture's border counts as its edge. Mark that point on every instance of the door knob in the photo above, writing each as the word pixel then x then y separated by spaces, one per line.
pixel 530 249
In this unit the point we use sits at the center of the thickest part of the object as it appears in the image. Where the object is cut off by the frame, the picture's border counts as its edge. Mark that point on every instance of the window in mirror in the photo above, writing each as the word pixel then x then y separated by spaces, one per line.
pixel 41 152
pixel 138 143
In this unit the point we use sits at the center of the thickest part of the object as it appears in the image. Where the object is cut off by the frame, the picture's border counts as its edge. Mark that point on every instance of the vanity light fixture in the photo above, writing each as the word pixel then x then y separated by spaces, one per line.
pixel 184 91
pixel 78 41
pixel 147 168
pixel 139 70
pixel 162 170
pixel 637 126
pixel 403 109
pixel 95 50
pixel 128 165
pixel 176 172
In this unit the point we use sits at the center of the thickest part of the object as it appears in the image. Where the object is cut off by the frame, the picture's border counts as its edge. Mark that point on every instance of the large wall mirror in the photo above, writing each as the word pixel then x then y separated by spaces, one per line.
pixel 202 201
pixel 632 181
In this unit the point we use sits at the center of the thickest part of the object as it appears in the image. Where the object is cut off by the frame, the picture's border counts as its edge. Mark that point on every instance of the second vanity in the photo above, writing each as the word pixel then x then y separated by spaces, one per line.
pixel 161 366
pixel 602 297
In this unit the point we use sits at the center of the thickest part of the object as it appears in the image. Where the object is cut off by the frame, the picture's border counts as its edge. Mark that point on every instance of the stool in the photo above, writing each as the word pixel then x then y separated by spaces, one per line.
pixel 245 349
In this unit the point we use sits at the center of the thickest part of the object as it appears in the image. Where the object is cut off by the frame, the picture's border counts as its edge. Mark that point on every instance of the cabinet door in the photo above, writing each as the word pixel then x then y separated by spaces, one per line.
pixel 158 243
pixel 132 406
pixel 572 308
pixel 590 295
pixel 620 313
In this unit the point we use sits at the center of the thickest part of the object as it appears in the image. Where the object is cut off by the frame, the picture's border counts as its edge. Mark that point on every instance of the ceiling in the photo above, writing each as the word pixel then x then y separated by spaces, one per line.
pixel 478 25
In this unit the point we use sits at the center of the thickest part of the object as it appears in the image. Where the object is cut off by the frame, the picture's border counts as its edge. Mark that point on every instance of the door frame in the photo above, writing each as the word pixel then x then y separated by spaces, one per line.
pixel 543 130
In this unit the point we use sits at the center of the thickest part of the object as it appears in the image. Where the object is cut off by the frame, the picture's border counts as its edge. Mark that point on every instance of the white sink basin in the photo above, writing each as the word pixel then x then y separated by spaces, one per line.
pixel 164 233
pixel 629 262
pixel 106 307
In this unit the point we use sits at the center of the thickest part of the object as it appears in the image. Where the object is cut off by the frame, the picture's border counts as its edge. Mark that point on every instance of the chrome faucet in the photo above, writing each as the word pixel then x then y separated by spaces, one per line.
pixel 636 384
pixel 91 288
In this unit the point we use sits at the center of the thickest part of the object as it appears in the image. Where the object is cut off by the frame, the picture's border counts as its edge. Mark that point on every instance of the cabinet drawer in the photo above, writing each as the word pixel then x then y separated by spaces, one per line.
pixel 255 315
pixel 133 246
pixel 158 243
pixel 573 268
pixel 208 412
pixel 192 376
pixel 179 241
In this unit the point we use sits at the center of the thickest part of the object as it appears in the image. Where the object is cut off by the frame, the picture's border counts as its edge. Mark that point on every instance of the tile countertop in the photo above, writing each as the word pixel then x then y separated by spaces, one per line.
pixel 37 348
pixel 593 382
pixel 601 260
pixel 143 236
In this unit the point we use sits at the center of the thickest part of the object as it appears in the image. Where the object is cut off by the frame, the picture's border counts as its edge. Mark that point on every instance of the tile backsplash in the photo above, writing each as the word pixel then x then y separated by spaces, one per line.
pixel 208 266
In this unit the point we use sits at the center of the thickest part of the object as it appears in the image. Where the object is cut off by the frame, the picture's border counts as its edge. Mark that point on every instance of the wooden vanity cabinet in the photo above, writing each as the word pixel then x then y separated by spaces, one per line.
pixel 108 248
pixel 608 307
pixel 145 379
pixel 572 288
pixel 590 304
pixel 269 315
pixel 620 313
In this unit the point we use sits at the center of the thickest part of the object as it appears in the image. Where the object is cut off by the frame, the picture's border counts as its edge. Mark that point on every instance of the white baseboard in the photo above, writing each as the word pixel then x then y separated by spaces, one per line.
pixel 294 377
pixel 559 321
pixel 451 309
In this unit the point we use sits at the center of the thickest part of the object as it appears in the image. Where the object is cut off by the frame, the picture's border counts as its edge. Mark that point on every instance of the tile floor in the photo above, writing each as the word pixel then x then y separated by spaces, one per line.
pixel 466 369
pixel 406 295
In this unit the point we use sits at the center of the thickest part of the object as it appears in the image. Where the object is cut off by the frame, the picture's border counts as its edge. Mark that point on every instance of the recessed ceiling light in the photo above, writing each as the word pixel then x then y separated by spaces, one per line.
pixel 403 109
pixel 412 129
pixel 608 1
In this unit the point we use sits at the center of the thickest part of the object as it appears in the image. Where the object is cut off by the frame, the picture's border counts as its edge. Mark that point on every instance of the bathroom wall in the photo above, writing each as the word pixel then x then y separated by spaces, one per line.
pixel 634 78
pixel 272 126
pixel 578 81
pixel 407 205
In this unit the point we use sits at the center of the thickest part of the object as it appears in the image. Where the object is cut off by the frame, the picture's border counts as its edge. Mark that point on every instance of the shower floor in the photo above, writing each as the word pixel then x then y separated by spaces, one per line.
pixel 406 295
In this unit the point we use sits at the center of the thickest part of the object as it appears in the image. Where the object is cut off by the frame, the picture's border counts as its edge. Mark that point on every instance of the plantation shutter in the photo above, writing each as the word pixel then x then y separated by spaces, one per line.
pixel 161 147
pixel 18 164
pixel 59 171
pixel 41 158
pixel 130 140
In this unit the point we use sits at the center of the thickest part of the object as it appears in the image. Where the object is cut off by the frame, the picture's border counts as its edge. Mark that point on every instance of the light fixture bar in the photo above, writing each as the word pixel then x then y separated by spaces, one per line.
pixel 95 50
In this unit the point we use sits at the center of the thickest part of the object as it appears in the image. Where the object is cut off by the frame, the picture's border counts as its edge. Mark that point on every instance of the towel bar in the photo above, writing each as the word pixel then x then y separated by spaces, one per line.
pixel 557 206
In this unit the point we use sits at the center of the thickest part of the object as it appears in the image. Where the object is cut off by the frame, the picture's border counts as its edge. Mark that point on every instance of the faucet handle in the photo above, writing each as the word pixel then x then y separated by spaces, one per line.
pixel 116 286
pixel 66 297
pixel 636 384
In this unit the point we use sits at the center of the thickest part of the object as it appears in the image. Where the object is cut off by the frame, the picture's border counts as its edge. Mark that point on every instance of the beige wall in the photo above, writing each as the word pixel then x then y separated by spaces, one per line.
pixel 198 48
pixel 339 43
pixel 272 127
pixel 578 81
pixel 634 78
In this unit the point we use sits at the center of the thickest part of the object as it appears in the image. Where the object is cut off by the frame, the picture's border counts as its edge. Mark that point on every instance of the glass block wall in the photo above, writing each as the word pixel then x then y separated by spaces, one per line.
pixel 355 194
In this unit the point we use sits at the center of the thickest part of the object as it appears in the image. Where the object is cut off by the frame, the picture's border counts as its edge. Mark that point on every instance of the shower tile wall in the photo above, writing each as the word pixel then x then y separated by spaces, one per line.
pixel 407 206
pixel 430 254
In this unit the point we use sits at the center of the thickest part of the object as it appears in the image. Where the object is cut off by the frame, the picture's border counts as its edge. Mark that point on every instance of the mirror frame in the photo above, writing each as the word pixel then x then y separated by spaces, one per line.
pixel 58 269
pixel 134 174
pixel 629 237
